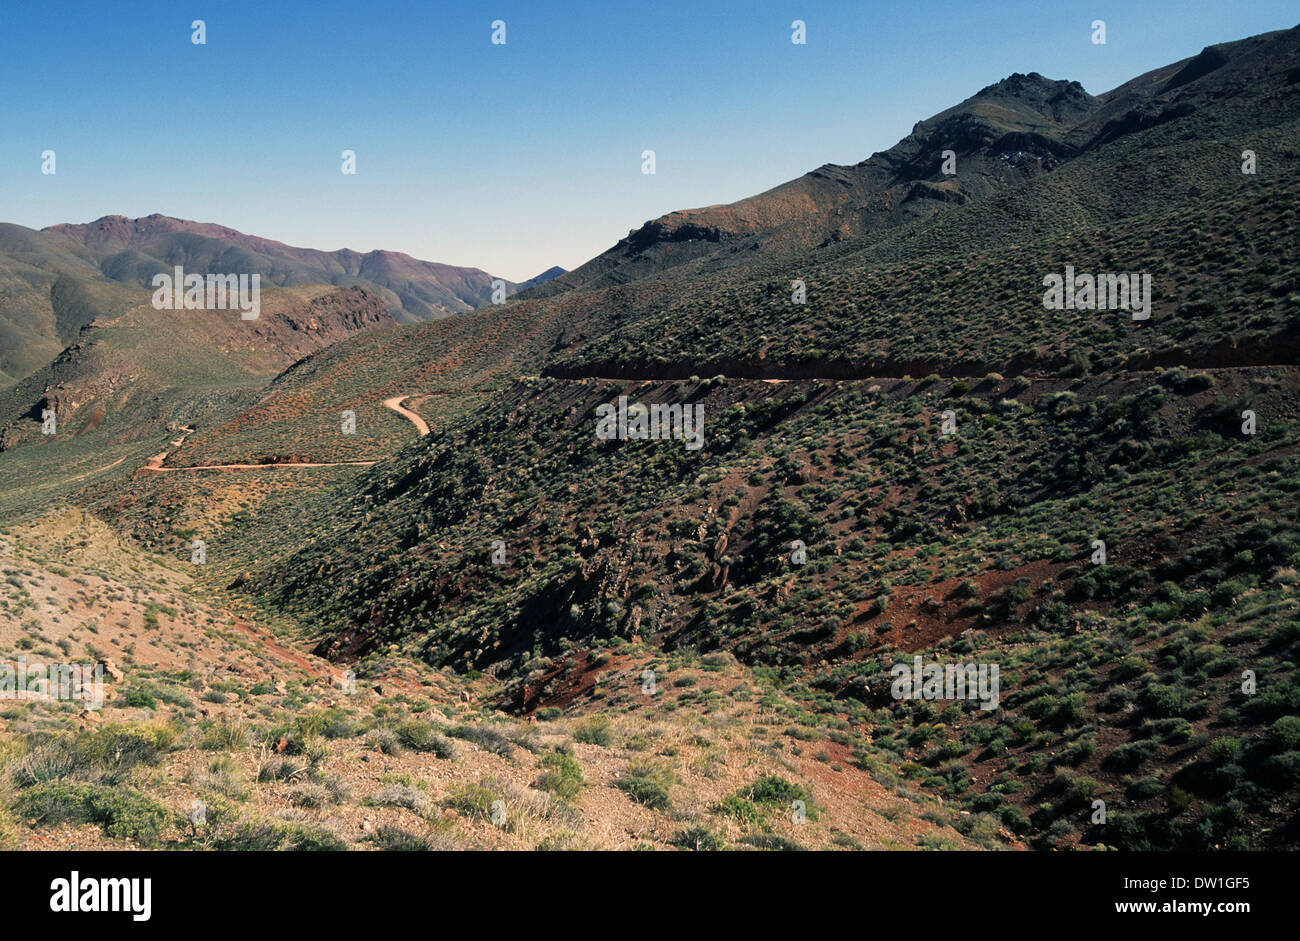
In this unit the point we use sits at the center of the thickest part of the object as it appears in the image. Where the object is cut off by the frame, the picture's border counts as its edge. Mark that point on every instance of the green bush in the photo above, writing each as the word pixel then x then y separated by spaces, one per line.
pixel 1284 734
pixel 474 800
pixel 9 833
pixel 121 812
pixel 697 838
pixel 139 697
pixel 594 732
pixel 775 790
pixel 1131 755
pixel 1226 750
pixel 739 809
pixel 1281 771
pixel 265 836
pixel 1162 702
pixel 648 784
pixel 561 775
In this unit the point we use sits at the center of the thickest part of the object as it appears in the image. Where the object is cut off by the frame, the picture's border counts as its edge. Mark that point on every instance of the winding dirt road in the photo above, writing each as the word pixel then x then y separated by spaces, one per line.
pixel 155 464
pixel 395 403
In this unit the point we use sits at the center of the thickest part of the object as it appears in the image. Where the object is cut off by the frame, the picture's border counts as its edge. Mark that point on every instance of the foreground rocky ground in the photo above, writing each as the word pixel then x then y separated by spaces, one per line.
pixel 222 732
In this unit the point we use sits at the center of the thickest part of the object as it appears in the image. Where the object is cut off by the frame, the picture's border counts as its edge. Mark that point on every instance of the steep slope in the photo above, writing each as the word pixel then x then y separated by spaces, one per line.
pixel 48 291
pixel 1171 439
pixel 204 706
pixel 957 292
pixel 845 511
pixel 1007 133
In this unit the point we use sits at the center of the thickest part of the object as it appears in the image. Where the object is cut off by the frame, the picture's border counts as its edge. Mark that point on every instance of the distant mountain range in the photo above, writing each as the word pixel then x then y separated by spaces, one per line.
pixel 542 278
pixel 56 280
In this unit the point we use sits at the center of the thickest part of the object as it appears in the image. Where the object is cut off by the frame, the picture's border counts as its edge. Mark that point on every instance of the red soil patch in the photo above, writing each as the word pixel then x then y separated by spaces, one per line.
pixel 567 681
pixel 935 608
pixel 271 645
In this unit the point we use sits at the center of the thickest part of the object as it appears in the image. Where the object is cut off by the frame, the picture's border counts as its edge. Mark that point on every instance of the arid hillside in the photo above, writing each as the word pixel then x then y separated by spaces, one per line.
pixel 378 584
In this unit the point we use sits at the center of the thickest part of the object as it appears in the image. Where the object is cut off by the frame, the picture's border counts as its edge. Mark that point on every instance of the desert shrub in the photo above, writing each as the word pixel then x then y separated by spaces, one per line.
pixel 384 740
pixel 1131 755
pixel 130 745
pixel 1284 734
pixel 222 776
pixel 140 697
pixel 1015 819
pixel 739 809
pixel 340 727
pixel 1058 831
pixel 561 775
pixel 775 790
pixel 980 828
pixel 718 660
pixel 1002 606
pixel 121 812
pixel 564 840
pixel 268 835
pixel 395 839
pixel 485 737
pixel 225 736
pixel 1076 752
pixel 422 736
pixel 1069 710
pixel 1145 788
pixel 103 756
pixel 309 794
pixel 398 795
pixel 1168 731
pixel 1281 771
pixel 54 761
pixel 473 800
pixel 1162 702
pixel 1226 750
pixel 1116 700
pixel 593 732
pixel 9 833
pixel 283 768
pixel 697 838
pixel 769 841
pixel 1278 700
pixel 1177 800
pixel 1130 667
pixel 1184 382
pixel 647 783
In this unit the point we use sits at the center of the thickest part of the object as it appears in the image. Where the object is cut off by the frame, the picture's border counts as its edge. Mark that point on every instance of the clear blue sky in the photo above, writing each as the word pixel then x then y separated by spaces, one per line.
pixel 511 158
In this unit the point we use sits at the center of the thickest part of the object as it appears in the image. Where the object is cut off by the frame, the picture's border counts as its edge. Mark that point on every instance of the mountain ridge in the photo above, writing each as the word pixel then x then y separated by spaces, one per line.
pixel 1008 131
pixel 59 278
